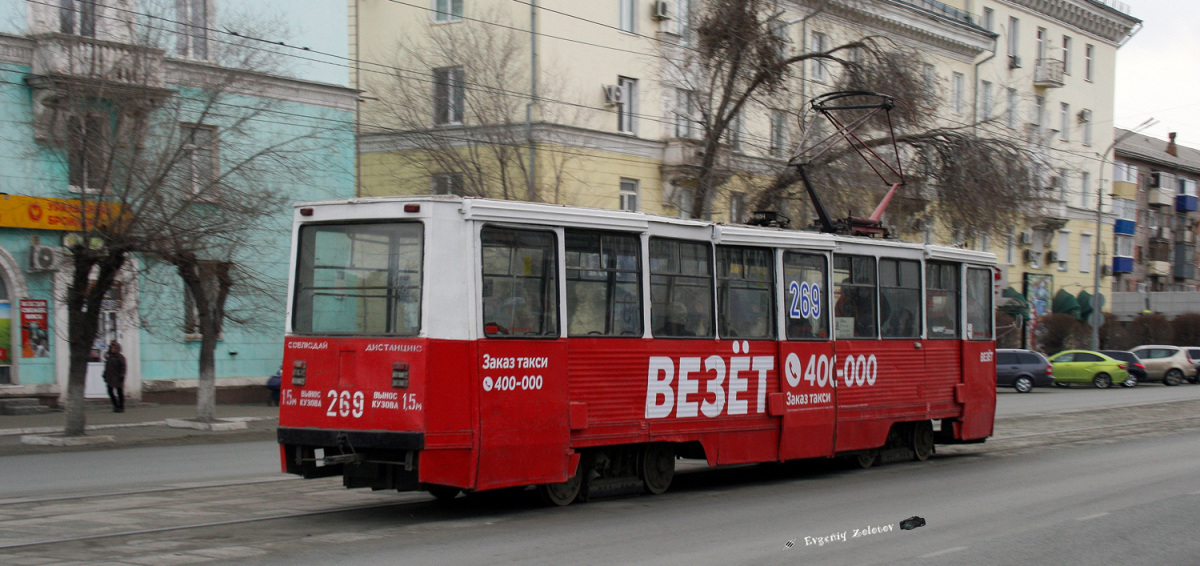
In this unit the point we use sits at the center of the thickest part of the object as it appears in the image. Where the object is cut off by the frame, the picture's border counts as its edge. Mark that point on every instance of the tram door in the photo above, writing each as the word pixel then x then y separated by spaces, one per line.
pixel 807 359
pixel 107 333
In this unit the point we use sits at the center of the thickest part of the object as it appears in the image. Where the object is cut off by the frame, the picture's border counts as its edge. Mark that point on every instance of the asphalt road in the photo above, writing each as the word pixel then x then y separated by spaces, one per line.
pixel 1047 400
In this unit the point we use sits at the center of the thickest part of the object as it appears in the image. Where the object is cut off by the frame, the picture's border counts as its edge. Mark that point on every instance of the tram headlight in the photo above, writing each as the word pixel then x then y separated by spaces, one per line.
pixel 400 375
pixel 299 370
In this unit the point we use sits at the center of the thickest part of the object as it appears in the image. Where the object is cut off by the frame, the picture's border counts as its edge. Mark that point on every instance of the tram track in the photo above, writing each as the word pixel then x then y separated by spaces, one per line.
pixel 146 491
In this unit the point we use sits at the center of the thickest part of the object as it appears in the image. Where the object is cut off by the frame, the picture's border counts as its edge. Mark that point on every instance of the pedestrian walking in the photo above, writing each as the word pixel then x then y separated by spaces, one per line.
pixel 114 377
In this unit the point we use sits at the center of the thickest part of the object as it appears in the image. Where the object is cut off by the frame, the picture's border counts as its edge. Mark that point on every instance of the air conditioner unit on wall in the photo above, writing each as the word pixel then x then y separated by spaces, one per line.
pixel 42 258
pixel 1051 257
pixel 1026 238
pixel 662 10
pixel 1032 257
pixel 614 94
pixel 1106 270
pixel 1014 62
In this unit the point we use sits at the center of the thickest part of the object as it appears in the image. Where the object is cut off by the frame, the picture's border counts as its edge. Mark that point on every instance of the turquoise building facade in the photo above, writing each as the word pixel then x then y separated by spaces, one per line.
pixel 300 90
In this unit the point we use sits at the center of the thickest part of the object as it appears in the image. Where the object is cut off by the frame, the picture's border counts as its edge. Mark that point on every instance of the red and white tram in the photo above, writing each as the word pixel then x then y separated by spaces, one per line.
pixel 450 344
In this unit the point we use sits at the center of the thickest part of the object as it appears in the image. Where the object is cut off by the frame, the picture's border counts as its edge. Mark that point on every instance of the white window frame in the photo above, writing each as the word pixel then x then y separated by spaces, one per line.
pixel 1089 62
pixel 989 19
pixel 446 11
pixel 192 23
pixel 1014 37
pixel 627 109
pixel 1065 122
pixel 817 45
pixel 87 139
pixel 1040 45
pixel 1066 54
pixel 956 92
pixel 1085 257
pixel 1085 189
pixel 1013 109
pixel 1123 245
pixel 1086 119
pixel 630 195
pixel 627 17
pixel 78 18
pixel 779 134
pixel 449 106
pixel 1062 183
pixel 737 208
pixel 1064 249
pixel 987 100
pixel 683 113
pixel 195 157
pixel 447 184
pixel 735 132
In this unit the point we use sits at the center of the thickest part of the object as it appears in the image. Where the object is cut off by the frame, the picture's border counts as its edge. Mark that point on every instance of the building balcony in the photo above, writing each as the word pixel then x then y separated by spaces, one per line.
pixel 1125 227
pixel 1184 270
pixel 1161 233
pixel 1051 214
pixel 1125 190
pixel 1160 197
pixel 1122 265
pixel 1048 73
pixel 1158 268
pixel 87 66
pixel 1185 203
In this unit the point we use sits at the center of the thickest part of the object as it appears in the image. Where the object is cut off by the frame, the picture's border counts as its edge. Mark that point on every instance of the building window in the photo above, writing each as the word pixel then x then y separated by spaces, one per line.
pixel 683 113
pixel 987 100
pixel 1085 258
pixel 1014 37
pixel 683 20
pixel 1089 61
pixel 1126 172
pixel 1010 247
pixel 448 95
pixel 86 137
pixel 989 19
pixel 1011 116
pixel 627 109
pixel 778 133
pixel 628 16
pixel 1041 45
pixel 1065 122
pixel 737 208
pixel 191 28
pixel 448 184
pixel 734 133
pixel 1124 246
pixel 1085 118
pixel 77 17
pixel 1064 249
pixel 1039 111
pixel 1066 54
pixel 956 93
pixel 1062 184
pixel 200 159
pixel 629 195
pixel 447 11
pixel 818 65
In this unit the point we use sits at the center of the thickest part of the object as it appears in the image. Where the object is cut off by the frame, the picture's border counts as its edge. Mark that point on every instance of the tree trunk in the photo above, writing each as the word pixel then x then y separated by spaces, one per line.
pixel 84 297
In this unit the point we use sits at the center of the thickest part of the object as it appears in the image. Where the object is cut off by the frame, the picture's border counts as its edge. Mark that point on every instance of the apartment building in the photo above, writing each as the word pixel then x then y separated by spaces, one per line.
pixel 85 84
pixel 461 98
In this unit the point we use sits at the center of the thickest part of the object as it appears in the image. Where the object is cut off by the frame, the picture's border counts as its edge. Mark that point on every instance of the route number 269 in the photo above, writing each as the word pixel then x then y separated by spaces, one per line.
pixel 345 404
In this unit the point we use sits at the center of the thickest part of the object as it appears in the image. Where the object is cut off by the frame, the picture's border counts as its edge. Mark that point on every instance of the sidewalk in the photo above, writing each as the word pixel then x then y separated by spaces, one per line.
pixel 141 424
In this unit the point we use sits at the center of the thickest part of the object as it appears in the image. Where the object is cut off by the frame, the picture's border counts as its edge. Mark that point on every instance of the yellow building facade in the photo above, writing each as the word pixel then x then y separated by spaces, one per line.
pixel 461 96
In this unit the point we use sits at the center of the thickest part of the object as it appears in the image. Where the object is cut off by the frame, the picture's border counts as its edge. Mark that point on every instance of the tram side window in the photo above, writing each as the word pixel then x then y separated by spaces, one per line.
pixel 900 298
pixel 681 289
pixel 359 279
pixel 603 284
pixel 854 299
pixel 979 304
pixel 941 299
pixel 520 287
pixel 807 315
pixel 744 292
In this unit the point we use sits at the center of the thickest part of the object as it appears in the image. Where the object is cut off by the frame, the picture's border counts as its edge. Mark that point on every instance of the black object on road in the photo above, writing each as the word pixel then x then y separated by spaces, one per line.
pixel 912 523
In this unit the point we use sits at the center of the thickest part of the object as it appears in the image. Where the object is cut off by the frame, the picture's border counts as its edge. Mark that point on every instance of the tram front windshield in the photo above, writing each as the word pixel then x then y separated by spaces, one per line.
pixel 359 279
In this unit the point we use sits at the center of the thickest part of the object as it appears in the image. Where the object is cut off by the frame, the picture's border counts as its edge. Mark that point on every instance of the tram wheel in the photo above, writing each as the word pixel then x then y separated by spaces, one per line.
pixel 444 493
pixel 565 493
pixel 658 467
pixel 922 441
pixel 867 459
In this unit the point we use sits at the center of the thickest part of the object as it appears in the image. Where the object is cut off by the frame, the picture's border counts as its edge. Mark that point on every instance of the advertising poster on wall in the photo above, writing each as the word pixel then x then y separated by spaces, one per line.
pixel 35 329
pixel 1037 292
pixel 5 333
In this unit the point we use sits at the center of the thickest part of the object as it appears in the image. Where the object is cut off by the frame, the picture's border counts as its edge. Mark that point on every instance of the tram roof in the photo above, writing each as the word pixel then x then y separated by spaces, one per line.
pixel 493 210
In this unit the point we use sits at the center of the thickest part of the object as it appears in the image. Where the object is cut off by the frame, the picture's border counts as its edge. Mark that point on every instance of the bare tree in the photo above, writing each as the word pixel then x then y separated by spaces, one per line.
pixel 741 61
pixel 457 104
pixel 142 155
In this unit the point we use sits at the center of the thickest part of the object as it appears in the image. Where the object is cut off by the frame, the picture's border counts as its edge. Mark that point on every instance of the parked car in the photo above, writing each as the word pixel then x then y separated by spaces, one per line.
pixel 1083 366
pixel 1168 364
pixel 1194 354
pixel 1022 370
pixel 1136 369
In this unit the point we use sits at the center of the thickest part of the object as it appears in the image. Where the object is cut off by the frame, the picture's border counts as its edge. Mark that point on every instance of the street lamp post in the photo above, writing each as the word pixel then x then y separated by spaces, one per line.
pixel 1099 230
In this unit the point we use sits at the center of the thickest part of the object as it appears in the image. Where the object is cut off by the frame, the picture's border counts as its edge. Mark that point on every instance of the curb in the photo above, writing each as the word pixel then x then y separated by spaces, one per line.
pixel 166 422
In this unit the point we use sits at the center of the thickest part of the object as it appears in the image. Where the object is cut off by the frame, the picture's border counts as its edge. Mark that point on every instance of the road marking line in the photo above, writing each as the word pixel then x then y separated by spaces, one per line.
pixel 1090 517
pixel 941 552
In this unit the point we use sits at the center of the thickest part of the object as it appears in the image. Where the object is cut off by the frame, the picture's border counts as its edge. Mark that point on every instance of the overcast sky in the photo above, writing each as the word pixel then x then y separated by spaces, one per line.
pixel 1158 70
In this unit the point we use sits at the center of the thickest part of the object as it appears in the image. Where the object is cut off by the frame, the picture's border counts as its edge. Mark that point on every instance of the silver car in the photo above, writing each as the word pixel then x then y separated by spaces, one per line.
pixel 1168 364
